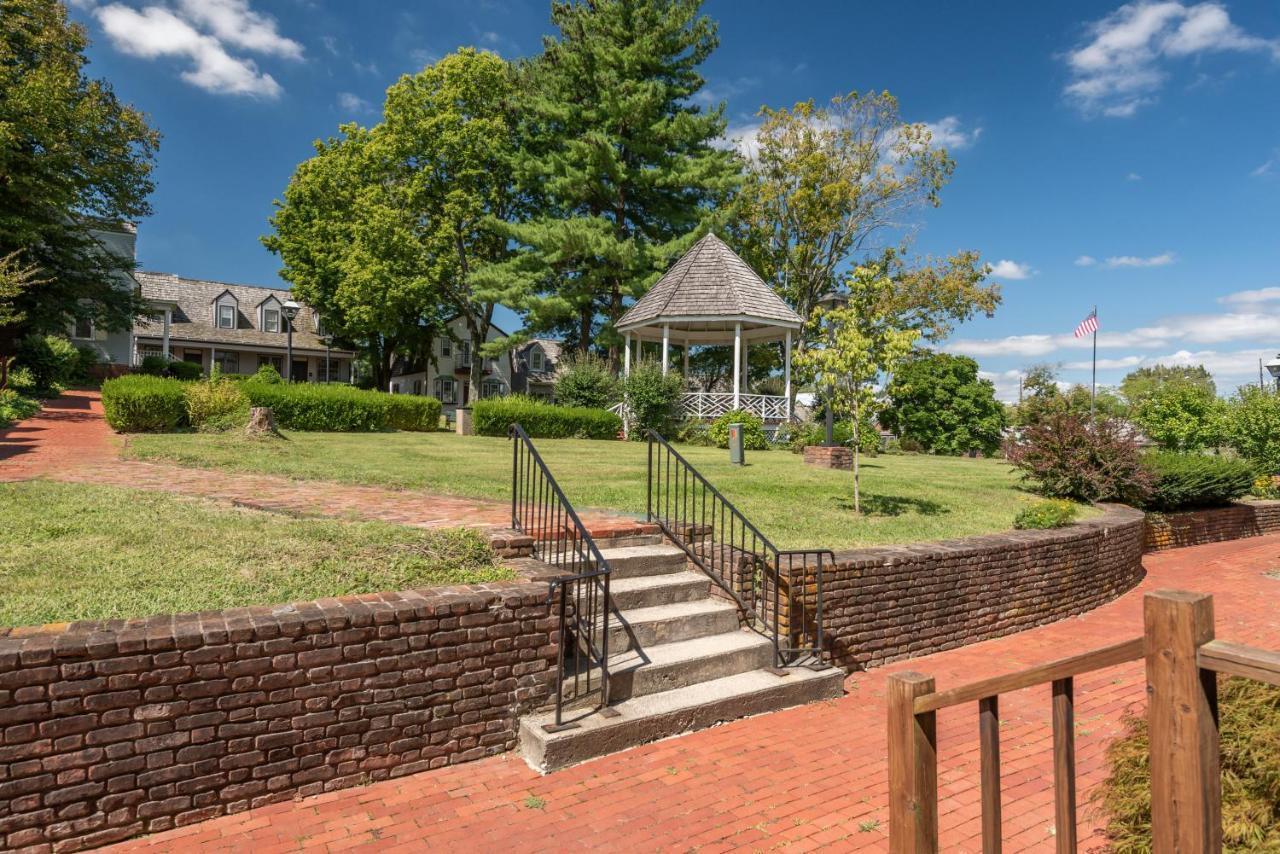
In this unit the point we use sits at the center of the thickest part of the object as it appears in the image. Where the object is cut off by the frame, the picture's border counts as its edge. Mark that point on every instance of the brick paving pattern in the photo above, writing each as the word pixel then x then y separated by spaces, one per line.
pixel 801 780
pixel 69 441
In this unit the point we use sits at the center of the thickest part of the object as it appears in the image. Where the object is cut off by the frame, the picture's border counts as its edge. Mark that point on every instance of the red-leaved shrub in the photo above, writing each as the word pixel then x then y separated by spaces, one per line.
pixel 1069 456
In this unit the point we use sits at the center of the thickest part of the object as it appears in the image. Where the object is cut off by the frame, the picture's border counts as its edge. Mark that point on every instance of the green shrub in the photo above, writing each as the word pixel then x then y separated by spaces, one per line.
pixel 1195 480
pixel 753 435
pixel 267 374
pixel 87 359
pixel 1251 427
pixel 341 408
pixel 143 404
pixel 493 416
pixel 1053 513
pixel 585 380
pixel 22 381
pixel 695 432
pixel 652 400
pixel 1249 718
pixel 52 361
pixel 15 407
pixel 412 412
pixel 1265 486
pixel 1086 459
pixel 216 404
pixel 154 366
pixel 186 371
pixel 797 437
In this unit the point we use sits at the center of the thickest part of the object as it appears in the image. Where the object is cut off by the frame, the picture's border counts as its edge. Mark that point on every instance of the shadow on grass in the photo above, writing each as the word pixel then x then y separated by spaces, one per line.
pixel 894 505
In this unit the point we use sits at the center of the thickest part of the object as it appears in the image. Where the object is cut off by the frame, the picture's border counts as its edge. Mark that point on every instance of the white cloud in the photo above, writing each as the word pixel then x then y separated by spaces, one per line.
pixel 234 23
pixel 1005 269
pixel 1133 176
pixel 1121 67
pixel 1261 295
pixel 712 94
pixel 1085 261
pixel 1161 260
pixel 353 103
pixel 1263 169
pixel 157 31
pixel 949 133
pixel 744 137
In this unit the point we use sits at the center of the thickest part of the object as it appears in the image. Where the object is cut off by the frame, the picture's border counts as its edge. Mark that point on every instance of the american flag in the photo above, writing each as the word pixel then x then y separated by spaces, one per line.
pixel 1089 325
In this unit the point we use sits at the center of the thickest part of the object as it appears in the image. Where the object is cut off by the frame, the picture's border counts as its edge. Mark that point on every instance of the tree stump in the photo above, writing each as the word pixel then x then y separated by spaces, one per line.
pixel 262 422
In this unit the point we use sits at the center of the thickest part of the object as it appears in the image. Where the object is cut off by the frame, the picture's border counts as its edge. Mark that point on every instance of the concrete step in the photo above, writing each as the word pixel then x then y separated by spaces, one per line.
pixel 603 543
pixel 654 716
pixel 678 621
pixel 667 666
pixel 653 559
pixel 645 591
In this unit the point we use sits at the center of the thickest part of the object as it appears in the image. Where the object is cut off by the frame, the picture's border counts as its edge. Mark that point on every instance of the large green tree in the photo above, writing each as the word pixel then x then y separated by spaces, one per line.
pixel 937 400
pixel 1181 416
pixel 1251 427
pixel 617 155
pixel 1144 381
pixel 72 157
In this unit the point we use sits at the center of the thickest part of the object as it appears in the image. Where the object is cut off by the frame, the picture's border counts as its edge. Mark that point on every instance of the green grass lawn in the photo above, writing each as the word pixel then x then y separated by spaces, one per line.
pixel 79 552
pixel 906 498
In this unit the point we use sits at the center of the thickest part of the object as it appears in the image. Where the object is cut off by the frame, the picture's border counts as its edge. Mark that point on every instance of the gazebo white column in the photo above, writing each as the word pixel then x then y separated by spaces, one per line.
pixel 666 348
pixel 686 358
pixel 737 364
pixel 626 356
pixel 786 372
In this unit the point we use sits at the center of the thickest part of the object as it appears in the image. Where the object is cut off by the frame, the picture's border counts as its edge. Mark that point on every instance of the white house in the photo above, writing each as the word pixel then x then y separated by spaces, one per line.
pixel 447 377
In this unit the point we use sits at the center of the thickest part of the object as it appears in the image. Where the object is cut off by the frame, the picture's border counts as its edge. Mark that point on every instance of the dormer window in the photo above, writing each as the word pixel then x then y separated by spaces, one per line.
pixel 271 319
pixel 226 315
pixel 537 361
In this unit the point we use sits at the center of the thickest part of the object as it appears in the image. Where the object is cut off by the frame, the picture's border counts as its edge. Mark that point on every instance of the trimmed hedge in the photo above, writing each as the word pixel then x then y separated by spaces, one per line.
pixel 543 420
pixel 342 408
pixel 1195 480
pixel 139 403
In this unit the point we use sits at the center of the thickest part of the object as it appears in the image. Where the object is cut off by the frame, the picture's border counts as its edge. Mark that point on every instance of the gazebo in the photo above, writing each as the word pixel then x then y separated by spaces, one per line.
pixel 712 297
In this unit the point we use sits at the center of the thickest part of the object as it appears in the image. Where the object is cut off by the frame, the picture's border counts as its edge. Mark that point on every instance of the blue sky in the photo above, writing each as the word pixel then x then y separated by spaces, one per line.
pixel 1123 155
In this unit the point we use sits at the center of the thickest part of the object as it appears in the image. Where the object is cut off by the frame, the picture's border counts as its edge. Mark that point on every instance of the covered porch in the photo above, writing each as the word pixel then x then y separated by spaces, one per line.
pixel 711 297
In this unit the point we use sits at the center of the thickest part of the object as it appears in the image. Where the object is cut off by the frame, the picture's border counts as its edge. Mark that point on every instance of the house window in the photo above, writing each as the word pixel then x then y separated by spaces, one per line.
pixel 276 362
pixel 82 328
pixel 229 362
pixel 537 361
pixel 226 316
pixel 464 354
pixel 271 319
pixel 395 388
pixel 447 390
pixel 417 386
pixel 321 331
pixel 491 388
pixel 446 347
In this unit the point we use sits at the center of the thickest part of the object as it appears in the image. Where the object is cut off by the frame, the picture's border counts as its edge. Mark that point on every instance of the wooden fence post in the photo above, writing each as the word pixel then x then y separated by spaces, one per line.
pixel 913 767
pixel 1182 715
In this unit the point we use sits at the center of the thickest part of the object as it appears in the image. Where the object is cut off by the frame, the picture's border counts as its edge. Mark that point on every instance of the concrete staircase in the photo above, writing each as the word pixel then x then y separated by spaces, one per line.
pixel 679 661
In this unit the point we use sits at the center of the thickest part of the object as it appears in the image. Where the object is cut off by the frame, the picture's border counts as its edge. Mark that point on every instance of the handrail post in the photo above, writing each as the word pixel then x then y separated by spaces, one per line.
pixel 1182 716
pixel 648 485
pixel 913 767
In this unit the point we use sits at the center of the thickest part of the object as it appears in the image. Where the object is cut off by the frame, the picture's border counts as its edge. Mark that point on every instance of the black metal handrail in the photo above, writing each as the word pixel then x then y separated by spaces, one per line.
pixel 779 591
pixel 539 508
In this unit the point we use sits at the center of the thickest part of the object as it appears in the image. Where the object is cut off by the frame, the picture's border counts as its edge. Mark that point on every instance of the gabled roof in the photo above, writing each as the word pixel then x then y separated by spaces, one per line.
pixel 709 280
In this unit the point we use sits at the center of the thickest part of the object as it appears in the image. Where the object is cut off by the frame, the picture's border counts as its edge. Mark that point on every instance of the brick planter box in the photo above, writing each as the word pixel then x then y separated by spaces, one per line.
pixel 838 457
pixel 113 729
pixel 890 603
pixel 1213 525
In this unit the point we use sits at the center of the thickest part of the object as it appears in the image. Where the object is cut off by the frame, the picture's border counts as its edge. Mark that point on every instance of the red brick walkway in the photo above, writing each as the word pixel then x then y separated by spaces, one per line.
pixel 799 780
pixel 70 441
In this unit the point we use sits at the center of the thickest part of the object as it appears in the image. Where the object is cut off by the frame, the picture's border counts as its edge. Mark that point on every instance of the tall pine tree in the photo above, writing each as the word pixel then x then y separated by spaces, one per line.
pixel 617 157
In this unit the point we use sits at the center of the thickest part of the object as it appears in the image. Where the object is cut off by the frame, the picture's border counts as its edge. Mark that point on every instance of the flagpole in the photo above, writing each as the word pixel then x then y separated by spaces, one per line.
pixel 1093 393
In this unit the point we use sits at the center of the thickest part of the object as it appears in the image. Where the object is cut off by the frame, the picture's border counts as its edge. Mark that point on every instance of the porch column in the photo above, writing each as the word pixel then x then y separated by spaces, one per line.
pixel 737 364
pixel 666 348
pixel 786 359
pixel 626 356
pixel 168 312
pixel 213 358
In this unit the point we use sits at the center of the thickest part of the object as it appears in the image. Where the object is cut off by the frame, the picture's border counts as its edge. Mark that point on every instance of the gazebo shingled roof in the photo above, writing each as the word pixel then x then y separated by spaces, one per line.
pixel 709 289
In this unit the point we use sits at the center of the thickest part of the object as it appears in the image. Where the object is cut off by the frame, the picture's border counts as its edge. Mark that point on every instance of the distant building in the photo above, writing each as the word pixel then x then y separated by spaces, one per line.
pixel 535 368
pixel 446 376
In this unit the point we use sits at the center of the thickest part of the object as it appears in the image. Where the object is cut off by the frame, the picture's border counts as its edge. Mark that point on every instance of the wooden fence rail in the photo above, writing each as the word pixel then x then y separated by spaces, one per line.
pixel 1182 660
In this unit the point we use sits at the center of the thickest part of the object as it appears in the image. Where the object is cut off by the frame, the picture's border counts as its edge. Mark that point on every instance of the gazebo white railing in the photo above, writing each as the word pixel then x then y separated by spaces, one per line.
pixel 713 404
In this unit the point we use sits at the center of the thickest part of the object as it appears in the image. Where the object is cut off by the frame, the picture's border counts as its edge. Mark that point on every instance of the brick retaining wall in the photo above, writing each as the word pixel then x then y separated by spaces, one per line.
pixel 890 603
pixel 112 729
pixel 1213 525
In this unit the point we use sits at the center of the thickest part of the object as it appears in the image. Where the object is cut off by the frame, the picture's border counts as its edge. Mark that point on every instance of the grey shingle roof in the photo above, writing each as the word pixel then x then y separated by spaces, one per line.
pixel 193 318
pixel 709 280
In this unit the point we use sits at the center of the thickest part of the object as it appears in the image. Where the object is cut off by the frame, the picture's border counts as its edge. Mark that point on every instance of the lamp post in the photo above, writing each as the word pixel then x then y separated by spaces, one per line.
pixel 828 301
pixel 1273 368
pixel 290 309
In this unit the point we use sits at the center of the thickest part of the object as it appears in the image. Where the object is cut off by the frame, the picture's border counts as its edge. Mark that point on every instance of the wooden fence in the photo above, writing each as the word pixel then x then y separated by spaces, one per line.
pixel 1182 663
